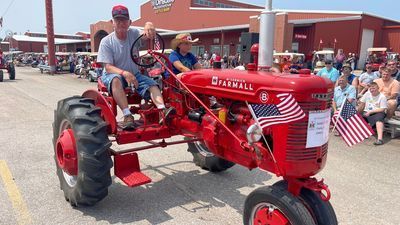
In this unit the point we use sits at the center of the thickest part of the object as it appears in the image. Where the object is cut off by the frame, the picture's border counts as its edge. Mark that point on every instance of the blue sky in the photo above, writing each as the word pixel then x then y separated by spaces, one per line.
pixel 71 16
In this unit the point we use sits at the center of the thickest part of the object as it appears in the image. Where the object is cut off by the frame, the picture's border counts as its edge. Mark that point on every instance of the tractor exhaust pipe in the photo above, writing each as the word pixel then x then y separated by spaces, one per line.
pixel 267 32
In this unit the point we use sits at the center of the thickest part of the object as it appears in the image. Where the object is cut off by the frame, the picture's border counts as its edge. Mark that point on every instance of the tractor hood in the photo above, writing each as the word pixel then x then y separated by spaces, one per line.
pixel 255 86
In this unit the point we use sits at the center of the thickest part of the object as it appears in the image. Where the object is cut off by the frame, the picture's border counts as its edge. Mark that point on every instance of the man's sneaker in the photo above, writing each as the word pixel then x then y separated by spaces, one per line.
pixel 168 112
pixel 128 123
pixel 378 142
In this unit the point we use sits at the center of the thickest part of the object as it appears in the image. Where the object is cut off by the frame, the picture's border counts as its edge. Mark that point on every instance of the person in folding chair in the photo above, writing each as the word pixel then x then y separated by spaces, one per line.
pixel 121 72
pixel 373 105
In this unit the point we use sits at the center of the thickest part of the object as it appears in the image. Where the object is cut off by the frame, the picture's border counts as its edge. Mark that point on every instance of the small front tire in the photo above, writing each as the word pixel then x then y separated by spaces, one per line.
pixel 272 205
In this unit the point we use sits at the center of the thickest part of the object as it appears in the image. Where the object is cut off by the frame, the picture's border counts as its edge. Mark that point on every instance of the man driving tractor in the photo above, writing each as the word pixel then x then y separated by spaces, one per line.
pixel 114 54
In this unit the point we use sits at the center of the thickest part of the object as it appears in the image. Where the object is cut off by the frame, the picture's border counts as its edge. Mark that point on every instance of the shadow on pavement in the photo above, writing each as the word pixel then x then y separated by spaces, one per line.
pixel 190 190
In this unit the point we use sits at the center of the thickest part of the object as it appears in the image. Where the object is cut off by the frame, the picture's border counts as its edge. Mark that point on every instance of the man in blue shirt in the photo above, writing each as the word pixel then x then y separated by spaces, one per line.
pixel 342 91
pixel 329 72
pixel 181 58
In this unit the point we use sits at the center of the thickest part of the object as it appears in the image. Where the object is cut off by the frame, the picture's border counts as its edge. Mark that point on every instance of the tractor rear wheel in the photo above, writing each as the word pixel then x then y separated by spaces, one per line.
pixel 272 205
pixel 81 148
pixel 322 211
pixel 1 75
pixel 11 71
pixel 205 159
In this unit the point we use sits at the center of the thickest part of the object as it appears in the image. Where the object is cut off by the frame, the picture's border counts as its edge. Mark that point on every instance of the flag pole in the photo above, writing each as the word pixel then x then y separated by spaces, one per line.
pixel 262 134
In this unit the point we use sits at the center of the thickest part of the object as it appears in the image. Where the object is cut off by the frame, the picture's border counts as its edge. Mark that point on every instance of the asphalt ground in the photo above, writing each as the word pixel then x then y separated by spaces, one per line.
pixel 364 180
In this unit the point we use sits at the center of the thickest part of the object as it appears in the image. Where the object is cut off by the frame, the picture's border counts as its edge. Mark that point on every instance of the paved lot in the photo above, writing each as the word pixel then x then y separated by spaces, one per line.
pixel 364 180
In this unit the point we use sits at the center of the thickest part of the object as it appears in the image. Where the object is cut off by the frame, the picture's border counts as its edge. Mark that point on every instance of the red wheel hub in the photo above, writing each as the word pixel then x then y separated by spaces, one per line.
pixel 66 152
pixel 265 217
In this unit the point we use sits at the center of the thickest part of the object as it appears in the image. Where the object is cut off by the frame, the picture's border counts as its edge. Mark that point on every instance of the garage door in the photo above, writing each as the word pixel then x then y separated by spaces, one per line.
pixel 367 41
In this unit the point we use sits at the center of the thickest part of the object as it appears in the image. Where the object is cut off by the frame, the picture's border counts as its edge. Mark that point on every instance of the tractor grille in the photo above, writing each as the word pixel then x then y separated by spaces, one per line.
pixel 297 136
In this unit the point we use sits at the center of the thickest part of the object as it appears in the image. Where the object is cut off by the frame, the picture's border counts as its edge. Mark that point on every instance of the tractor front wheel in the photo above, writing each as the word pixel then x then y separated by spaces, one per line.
pixel 272 205
pixel 322 211
pixel 205 159
pixel 81 147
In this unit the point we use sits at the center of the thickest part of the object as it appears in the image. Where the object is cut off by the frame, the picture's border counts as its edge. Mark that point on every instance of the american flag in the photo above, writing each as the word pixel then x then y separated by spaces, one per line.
pixel 350 125
pixel 157 45
pixel 285 112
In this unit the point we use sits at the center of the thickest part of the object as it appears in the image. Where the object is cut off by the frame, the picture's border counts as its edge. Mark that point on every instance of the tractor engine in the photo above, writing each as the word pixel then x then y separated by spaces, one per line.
pixel 234 91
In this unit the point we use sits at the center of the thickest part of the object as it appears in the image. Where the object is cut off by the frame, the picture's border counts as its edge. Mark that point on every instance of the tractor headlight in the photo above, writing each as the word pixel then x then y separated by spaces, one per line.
pixel 253 134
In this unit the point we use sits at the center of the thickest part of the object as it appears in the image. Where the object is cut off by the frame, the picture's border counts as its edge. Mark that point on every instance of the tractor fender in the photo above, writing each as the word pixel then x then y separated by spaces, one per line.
pixel 107 111
pixel 209 132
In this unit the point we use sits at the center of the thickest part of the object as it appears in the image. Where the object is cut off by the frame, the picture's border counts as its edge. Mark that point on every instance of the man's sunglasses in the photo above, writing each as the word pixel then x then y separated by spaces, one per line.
pixel 120 12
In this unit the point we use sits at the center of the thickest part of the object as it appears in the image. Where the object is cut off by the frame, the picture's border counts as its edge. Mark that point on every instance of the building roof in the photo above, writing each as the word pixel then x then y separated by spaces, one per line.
pixel 57 34
pixel 205 30
pixel 319 20
pixel 57 41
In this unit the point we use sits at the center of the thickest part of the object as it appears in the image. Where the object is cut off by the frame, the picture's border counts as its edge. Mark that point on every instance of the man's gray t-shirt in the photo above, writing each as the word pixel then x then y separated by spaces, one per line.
pixel 117 52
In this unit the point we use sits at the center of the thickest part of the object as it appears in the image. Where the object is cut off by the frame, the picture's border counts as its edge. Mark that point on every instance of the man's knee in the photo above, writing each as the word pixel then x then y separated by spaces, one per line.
pixel 392 104
pixel 154 89
pixel 116 83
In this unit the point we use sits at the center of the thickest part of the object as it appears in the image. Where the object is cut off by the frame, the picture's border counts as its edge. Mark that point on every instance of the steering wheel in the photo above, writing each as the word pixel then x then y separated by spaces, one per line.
pixel 141 48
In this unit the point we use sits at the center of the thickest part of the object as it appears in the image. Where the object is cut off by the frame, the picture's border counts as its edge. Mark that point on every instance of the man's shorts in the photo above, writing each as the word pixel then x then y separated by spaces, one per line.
pixel 144 81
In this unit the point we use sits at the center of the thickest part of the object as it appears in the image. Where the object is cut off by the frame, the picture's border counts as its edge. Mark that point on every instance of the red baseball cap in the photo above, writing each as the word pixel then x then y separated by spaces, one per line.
pixel 120 11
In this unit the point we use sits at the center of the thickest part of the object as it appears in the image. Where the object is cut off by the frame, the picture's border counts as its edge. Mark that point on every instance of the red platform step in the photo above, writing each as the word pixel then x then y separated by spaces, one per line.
pixel 127 168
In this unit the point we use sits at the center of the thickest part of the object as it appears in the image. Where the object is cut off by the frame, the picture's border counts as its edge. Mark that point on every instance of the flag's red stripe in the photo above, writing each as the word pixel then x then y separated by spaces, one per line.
pixel 346 132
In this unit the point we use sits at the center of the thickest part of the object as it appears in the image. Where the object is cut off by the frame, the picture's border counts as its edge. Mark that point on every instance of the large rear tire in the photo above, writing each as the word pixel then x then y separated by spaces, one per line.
pixel 1 75
pixel 90 184
pixel 205 159
pixel 11 71
pixel 322 211
pixel 272 205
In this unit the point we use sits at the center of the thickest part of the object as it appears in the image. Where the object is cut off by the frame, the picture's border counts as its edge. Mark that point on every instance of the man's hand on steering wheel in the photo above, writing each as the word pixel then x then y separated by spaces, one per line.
pixel 130 79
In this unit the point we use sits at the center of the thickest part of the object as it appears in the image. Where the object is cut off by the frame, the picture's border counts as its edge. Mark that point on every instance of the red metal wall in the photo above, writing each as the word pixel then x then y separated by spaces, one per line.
pixel 345 32
pixel 391 38
pixel 26 46
pixel 373 23
pixel 305 45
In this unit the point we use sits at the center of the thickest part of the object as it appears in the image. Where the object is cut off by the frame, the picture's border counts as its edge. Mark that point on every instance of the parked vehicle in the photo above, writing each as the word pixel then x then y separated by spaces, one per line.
pixel 218 139
pixel 6 63
pixel 319 57
pixel 95 70
pixel 376 57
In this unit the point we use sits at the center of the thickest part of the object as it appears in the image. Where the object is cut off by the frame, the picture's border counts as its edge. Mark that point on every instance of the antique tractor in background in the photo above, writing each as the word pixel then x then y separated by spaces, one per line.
pixel 6 64
pixel 85 125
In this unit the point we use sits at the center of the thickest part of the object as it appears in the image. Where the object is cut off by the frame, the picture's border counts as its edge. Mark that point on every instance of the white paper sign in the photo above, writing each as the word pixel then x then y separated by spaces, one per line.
pixel 318 128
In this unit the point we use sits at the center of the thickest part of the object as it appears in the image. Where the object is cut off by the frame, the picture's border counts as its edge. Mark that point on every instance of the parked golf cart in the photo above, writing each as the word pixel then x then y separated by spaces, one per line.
pixel 95 70
pixel 319 59
pixel 6 63
pixel 376 57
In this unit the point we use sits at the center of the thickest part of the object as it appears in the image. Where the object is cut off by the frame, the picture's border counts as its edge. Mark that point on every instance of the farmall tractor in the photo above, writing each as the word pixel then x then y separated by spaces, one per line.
pixel 7 65
pixel 85 126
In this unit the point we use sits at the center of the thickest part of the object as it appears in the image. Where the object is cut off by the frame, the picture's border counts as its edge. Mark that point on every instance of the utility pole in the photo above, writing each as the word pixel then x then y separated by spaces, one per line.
pixel 50 37
pixel 267 32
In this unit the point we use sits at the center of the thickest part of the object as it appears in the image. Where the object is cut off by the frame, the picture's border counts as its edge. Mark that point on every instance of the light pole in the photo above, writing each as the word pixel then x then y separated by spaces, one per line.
pixel 266 40
pixel 50 36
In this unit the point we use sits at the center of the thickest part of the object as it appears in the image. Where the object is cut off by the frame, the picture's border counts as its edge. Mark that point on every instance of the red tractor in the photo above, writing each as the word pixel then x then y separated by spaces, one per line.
pixel 85 126
pixel 8 65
